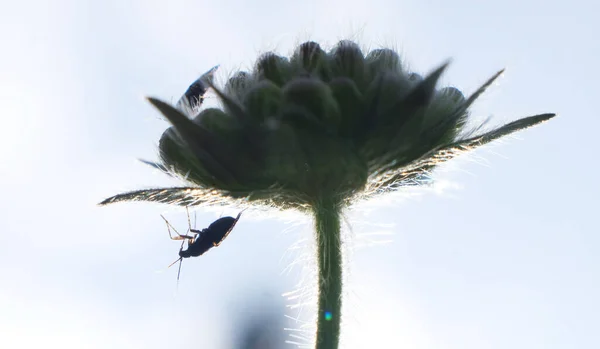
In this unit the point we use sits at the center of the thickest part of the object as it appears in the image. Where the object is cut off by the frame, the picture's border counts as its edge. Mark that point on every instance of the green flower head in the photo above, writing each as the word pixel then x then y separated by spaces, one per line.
pixel 338 125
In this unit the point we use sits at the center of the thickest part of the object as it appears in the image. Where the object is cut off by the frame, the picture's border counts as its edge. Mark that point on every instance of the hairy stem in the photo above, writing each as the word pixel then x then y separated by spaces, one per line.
pixel 329 255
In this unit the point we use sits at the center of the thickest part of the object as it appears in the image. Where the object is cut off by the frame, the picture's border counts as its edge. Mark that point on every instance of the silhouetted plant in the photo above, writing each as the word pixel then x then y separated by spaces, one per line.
pixel 316 132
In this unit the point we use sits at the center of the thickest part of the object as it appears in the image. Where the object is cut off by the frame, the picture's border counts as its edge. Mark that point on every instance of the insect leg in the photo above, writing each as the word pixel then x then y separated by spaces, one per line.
pixel 179 236
pixel 187 210
pixel 199 234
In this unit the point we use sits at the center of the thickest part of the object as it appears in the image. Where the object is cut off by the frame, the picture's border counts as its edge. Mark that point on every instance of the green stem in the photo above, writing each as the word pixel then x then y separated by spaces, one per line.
pixel 329 255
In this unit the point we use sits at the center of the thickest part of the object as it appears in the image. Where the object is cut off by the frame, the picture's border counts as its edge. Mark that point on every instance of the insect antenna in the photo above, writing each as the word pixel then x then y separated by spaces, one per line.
pixel 177 260
pixel 179 269
pixel 180 260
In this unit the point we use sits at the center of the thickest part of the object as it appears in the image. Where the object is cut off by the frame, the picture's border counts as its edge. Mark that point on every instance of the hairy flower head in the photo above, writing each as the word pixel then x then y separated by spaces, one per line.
pixel 336 125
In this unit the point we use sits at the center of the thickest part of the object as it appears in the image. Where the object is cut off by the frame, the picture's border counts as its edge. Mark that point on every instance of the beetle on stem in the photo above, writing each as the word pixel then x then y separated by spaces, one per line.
pixel 201 240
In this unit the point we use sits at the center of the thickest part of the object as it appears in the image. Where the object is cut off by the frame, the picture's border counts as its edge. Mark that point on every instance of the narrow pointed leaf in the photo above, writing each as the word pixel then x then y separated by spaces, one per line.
pixel 182 196
pixel 450 151
pixel 204 145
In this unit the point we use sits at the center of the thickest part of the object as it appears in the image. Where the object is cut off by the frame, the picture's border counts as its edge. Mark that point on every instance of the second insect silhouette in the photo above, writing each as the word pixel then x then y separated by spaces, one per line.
pixel 201 240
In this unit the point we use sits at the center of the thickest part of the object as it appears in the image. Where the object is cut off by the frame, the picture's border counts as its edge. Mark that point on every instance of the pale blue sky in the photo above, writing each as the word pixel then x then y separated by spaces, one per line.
pixel 506 256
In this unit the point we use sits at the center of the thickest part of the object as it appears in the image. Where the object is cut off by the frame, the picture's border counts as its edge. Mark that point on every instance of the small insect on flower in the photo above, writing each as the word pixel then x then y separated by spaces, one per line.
pixel 193 97
pixel 190 104
pixel 201 240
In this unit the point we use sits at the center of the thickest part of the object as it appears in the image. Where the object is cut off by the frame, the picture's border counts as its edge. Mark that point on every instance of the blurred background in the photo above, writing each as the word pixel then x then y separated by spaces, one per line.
pixel 503 253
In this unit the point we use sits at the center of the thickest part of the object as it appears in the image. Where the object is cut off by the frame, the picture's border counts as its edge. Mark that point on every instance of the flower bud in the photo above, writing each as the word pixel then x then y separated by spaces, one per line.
pixel 274 68
pixel 237 85
pixel 382 95
pixel 218 122
pixel 284 158
pixel 351 103
pixel 382 60
pixel 310 101
pixel 310 60
pixel 349 61
pixel 444 116
pixel 263 101
pixel 177 158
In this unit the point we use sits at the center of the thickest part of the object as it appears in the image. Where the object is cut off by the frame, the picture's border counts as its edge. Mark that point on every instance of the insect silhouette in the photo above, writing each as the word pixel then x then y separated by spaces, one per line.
pixel 201 240
pixel 193 97
pixel 189 103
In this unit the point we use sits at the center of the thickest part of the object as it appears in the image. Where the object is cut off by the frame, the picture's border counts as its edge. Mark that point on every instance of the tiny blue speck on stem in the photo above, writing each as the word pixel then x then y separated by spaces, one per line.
pixel 328 315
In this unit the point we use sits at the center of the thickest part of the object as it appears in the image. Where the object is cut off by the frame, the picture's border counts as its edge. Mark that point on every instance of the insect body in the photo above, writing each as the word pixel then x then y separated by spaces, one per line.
pixel 202 240
pixel 210 237
pixel 193 97
pixel 189 104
